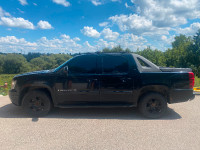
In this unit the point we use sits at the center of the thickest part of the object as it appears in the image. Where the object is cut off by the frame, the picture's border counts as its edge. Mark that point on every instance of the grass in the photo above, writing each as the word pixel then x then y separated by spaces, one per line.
pixel 5 78
pixel 197 82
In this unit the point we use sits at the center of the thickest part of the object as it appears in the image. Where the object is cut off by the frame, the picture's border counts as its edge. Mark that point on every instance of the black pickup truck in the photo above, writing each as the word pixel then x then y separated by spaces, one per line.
pixel 103 80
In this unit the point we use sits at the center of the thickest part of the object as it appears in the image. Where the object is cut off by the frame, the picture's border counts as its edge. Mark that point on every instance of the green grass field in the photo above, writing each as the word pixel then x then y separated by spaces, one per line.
pixel 8 78
pixel 197 82
pixel 5 78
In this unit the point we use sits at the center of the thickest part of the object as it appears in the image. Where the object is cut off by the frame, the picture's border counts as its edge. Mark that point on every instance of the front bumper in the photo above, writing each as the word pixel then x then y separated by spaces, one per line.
pixel 14 97
pixel 181 95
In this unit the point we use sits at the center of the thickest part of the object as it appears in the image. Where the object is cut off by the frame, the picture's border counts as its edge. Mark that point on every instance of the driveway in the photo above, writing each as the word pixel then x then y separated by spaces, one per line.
pixel 110 128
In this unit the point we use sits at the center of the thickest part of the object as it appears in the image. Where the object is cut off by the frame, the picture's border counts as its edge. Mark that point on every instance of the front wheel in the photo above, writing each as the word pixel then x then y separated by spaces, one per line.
pixel 153 105
pixel 36 103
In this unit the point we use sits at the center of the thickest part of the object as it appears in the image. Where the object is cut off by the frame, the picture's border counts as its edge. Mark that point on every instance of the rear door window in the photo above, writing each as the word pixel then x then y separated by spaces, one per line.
pixel 114 65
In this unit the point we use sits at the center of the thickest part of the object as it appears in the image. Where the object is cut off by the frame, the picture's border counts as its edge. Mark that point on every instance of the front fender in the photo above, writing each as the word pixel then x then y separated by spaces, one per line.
pixel 37 86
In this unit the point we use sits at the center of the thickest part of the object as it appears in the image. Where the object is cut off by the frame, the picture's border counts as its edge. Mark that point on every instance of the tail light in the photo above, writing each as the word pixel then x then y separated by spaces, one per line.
pixel 191 80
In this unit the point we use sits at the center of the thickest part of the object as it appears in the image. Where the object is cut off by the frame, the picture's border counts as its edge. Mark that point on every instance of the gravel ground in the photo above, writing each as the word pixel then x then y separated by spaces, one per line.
pixel 107 129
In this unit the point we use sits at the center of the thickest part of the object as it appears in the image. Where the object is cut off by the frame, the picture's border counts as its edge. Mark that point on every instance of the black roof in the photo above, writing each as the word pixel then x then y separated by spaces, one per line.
pixel 102 53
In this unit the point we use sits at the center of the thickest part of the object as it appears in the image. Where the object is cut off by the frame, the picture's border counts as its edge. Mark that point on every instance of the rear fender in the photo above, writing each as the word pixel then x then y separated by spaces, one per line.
pixel 161 89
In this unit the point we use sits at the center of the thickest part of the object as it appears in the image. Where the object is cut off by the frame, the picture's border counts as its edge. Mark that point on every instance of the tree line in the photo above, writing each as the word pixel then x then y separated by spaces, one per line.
pixel 185 52
pixel 18 63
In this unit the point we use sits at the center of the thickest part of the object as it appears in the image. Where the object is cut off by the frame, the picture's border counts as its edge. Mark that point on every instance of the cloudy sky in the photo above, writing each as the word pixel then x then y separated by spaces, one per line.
pixel 70 26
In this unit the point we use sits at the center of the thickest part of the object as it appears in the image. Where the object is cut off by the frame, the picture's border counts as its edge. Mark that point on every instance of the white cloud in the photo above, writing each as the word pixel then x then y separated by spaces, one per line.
pixel 23 2
pixel 102 44
pixel 90 32
pixel 169 13
pixel 64 36
pixel 128 40
pixel 20 11
pixel 44 25
pixel 156 16
pixel 116 0
pixel 88 44
pixel 109 34
pixel 167 40
pixel 132 42
pixel 58 45
pixel 163 37
pixel 7 20
pixel 64 44
pixel 13 44
pixel 126 5
pixel 162 42
pixel 101 2
pixel 133 23
pixel 62 2
pixel 96 2
pixel 138 25
pixel 88 47
pixel 14 41
pixel 103 24
pixel 76 39
pixel 3 12
pixel 191 30
pixel 16 22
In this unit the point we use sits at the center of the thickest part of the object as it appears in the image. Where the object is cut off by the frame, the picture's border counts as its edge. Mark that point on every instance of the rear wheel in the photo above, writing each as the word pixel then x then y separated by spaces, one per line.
pixel 37 103
pixel 153 105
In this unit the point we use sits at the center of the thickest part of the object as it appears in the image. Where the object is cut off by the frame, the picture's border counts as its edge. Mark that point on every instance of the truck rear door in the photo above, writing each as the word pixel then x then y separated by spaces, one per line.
pixel 116 85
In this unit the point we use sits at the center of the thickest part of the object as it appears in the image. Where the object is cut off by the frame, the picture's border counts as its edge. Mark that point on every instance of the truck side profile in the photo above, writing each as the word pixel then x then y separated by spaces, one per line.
pixel 103 80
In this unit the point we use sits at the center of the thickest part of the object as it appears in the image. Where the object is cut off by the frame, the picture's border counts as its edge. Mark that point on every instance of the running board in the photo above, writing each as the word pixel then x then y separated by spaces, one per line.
pixel 94 105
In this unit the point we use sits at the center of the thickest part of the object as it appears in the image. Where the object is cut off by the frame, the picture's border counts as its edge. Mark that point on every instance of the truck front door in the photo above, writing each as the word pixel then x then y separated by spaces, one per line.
pixel 81 83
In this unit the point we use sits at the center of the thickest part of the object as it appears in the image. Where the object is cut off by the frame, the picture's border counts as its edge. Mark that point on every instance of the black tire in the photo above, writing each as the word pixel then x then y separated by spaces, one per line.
pixel 153 105
pixel 37 103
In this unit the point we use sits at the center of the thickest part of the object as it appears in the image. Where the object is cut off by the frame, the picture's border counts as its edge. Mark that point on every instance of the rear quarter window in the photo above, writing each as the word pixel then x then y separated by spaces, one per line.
pixel 143 64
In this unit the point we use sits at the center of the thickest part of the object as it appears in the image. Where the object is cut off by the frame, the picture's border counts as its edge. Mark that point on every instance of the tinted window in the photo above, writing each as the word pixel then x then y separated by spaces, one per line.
pixel 142 63
pixel 83 64
pixel 114 64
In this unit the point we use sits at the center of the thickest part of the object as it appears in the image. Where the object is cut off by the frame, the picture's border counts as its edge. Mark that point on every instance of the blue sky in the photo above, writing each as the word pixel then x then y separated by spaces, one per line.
pixel 69 26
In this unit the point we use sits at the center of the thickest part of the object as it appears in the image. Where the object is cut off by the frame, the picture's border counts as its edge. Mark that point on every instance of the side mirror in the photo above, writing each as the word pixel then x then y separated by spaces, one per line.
pixel 66 70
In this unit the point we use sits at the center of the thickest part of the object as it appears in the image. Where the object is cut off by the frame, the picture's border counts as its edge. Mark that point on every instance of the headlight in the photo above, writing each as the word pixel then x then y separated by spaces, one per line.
pixel 13 84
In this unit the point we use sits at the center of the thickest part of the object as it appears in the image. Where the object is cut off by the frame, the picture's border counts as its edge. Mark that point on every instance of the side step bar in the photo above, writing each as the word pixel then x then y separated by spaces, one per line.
pixel 94 105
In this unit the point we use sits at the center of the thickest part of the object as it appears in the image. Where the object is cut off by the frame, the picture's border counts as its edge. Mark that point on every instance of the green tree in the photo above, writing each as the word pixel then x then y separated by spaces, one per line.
pixel 30 56
pixel 14 64
pixel 180 54
pixel 38 64
pixel 117 49
pixel 195 52
pixel 46 62
pixel 1 63
pixel 155 56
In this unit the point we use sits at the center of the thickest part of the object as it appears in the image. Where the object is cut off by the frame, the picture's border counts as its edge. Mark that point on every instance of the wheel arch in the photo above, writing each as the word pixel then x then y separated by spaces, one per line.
pixel 35 88
pixel 160 89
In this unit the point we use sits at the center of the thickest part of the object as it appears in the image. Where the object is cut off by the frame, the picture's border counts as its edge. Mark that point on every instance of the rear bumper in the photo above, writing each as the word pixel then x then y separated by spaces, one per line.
pixel 14 97
pixel 181 95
